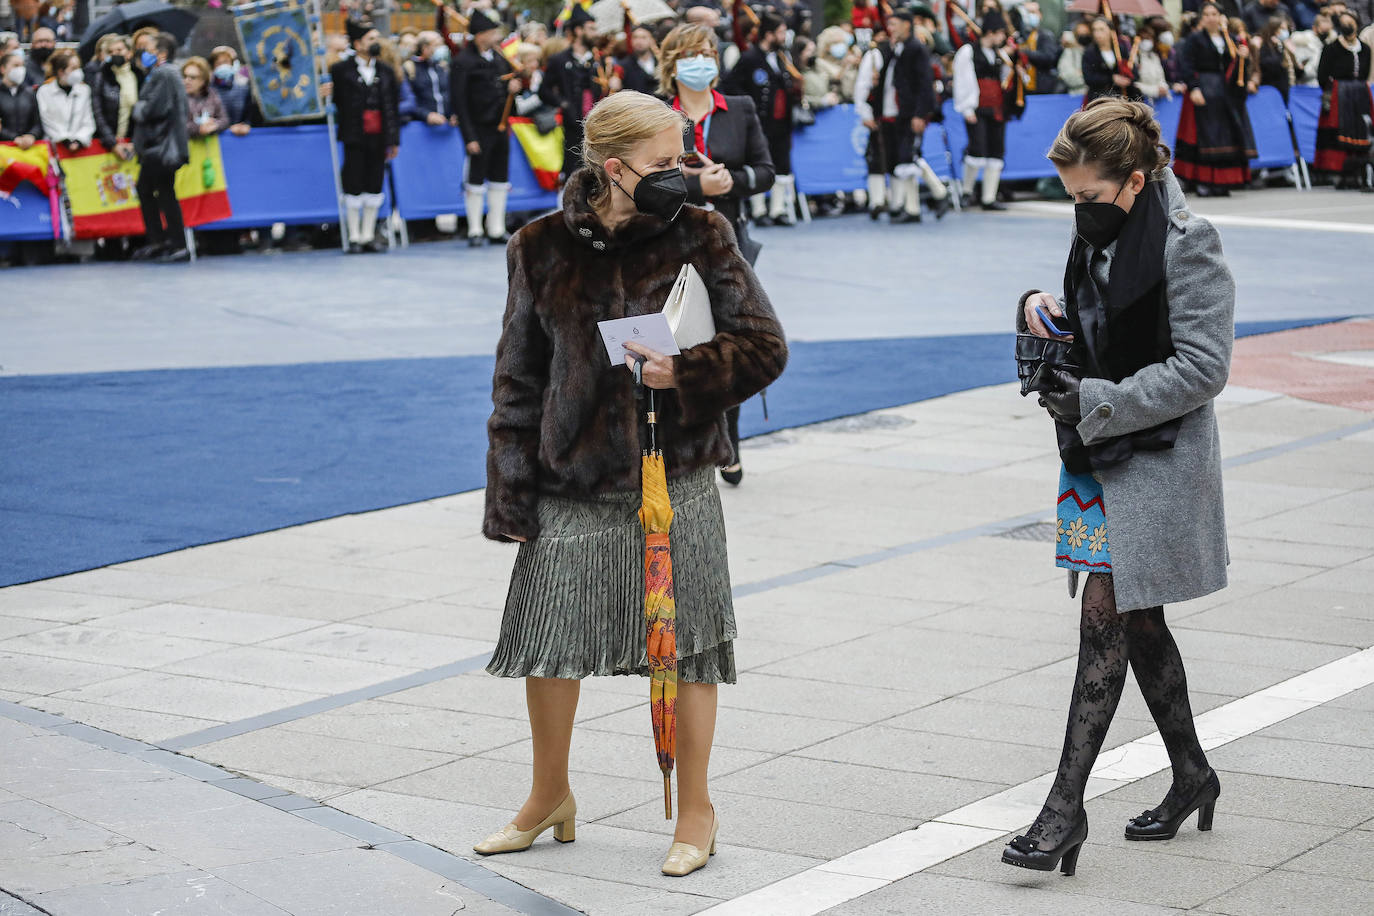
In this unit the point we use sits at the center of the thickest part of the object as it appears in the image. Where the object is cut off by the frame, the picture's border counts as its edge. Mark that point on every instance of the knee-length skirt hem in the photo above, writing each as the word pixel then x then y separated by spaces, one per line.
pixel 575 607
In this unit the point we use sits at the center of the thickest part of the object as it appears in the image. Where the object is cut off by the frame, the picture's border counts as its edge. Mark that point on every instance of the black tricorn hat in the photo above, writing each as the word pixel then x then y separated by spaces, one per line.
pixel 356 29
pixel 479 22
pixel 994 21
pixel 578 16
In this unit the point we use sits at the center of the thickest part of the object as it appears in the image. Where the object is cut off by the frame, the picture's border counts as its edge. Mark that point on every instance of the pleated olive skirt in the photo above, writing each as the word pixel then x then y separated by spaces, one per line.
pixel 576 602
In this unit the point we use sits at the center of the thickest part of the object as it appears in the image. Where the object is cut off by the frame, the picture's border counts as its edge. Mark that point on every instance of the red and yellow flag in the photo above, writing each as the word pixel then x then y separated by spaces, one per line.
pixel 544 151
pixel 20 165
pixel 104 197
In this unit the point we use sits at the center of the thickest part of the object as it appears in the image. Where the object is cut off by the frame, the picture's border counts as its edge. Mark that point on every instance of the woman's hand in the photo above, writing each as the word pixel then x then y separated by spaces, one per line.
pixel 1051 307
pixel 1198 99
pixel 716 181
pixel 516 538
pixel 658 368
pixel 1122 81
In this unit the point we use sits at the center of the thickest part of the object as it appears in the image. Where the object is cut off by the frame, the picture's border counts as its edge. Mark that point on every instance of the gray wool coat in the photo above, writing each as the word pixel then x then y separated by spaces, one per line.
pixel 1166 525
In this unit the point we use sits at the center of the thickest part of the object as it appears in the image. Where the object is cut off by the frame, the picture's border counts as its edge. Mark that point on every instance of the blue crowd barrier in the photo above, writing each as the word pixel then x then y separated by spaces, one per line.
pixel 828 156
pixel 1305 106
pixel 1269 120
pixel 26 216
pixel 285 175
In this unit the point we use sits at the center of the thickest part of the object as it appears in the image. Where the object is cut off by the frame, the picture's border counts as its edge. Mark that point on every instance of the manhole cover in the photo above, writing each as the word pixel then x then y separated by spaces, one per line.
pixel 1035 531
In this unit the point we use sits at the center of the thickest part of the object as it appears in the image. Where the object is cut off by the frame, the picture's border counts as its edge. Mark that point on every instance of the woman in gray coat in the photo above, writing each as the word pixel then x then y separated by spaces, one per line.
pixel 1148 301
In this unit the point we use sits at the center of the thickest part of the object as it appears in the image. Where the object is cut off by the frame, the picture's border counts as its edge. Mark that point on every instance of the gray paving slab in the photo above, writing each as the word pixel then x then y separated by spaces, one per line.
pixel 911 751
pixel 377 644
pixel 1344 856
pixel 295 670
pixel 1331 725
pixel 856 787
pixel 133 723
pixel 946 894
pixel 422 728
pixel 480 623
pixel 280 750
pixel 30 675
pixel 1286 892
pixel 503 786
pixel 216 624
pixel 1112 873
pixel 188 893
pixel 1318 762
pixel 612 754
pixel 83 642
pixel 292 601
pixel 157 691
pixel 598 897
pixel 124 583
pixel 347 882
pixel 1290 798
pixel 485 695
pixel 13 906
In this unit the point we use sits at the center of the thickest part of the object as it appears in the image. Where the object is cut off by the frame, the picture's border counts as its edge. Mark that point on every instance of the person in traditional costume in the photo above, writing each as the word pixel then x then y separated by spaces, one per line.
pixel 765 73
pixel 367 100
pixel 1215 141
pixel 1343 133
pixel 482 91
pixel 981 74
pixel 575 79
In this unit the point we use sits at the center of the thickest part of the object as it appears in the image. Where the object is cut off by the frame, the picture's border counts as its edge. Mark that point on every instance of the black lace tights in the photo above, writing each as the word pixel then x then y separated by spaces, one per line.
pixel 1108 642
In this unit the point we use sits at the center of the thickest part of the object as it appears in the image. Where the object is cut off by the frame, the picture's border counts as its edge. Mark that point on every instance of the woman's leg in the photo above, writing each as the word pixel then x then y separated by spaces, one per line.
pixel 732 420
pixel 552 706
pixel 696 730
pixel 1159 671
pixel 1103 654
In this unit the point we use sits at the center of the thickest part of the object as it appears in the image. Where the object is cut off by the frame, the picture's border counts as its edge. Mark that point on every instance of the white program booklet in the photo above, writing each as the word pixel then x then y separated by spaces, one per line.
pixel 650 331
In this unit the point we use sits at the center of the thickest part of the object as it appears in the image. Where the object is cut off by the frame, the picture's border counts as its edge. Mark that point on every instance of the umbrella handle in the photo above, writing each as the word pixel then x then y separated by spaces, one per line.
pixel 667 796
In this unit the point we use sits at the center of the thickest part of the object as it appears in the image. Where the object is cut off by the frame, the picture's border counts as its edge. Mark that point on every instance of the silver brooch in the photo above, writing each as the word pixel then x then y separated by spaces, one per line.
pixel 599 245
pixel 586 233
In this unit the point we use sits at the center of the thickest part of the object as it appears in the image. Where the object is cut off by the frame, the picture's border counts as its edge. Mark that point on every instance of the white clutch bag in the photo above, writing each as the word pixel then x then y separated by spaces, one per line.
pixel 688 310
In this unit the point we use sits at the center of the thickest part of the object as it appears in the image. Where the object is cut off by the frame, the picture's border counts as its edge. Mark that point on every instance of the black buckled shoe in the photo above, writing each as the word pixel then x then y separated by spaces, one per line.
pixel 1151 826
pixel 1024 853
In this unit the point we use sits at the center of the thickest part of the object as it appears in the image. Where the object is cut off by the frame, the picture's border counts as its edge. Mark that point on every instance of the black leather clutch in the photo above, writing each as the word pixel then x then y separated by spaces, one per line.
pixel 1034 353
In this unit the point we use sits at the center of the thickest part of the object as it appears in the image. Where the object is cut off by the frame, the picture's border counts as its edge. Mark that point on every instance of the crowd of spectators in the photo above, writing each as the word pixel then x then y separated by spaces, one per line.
pixel 773 52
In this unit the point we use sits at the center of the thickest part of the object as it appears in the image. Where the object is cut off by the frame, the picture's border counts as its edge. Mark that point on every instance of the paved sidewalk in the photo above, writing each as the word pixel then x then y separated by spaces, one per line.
pixel 907 650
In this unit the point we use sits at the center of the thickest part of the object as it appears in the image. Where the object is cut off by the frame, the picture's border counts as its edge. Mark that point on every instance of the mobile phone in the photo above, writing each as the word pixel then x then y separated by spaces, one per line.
pixel 1049 324
pixel 693 160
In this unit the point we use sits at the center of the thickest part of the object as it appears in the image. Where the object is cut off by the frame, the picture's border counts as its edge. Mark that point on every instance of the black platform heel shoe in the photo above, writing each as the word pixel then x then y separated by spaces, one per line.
pixel 1023 853
pixel 1150 826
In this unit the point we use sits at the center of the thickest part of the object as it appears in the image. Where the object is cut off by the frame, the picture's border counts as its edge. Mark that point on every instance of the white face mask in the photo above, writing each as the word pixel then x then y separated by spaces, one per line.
pixel 1166 39
pixel 1283 35
pixel 838 51
pixel 75 78
pixel 1146 45
pixel 16 74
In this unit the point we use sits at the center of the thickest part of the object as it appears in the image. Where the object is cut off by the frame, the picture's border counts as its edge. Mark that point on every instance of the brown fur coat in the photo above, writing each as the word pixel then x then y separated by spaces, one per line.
pixel 565 422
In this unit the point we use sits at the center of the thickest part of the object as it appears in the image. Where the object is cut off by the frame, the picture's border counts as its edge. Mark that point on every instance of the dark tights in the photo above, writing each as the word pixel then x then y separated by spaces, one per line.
pixel 1108 642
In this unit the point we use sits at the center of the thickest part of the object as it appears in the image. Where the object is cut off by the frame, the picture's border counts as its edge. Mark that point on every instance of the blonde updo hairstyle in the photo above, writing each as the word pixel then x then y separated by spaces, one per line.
pixel 683 41
pixel 1114 136
pixel 616 126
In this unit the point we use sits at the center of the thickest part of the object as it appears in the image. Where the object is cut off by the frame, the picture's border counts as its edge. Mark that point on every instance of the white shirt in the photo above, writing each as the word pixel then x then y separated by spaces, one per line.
pixel 869 69
pixel 368 71
pixel 1219 43
pixel 966 92
pixel 66 115
pixel 1108 58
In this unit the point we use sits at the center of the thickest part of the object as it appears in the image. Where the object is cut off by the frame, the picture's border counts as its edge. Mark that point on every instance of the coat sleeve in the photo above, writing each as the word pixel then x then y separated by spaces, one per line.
pixel 748 351
pixel 104 130
pixel 550 89
pixel 756 174
pixel 458 95
pixel 518 385
pixel 965 81
pixel 1202 298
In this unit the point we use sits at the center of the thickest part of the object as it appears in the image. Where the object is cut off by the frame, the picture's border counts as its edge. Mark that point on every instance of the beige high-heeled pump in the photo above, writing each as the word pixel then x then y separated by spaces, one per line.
pixel 684 858
pixel 510 838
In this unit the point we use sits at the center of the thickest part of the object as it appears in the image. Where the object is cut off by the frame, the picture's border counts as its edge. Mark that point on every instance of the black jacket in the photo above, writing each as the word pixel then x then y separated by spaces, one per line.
pixel 433 89
pixel 19 113
pixel 1044 57
pixel 105 103
pixel 634 76
pixel 350 100
pixel 565 80
pixel 1098 76
pixel 772 90
pixel 915 83
pixel 734 139
pixel 479 94
pixel 159 119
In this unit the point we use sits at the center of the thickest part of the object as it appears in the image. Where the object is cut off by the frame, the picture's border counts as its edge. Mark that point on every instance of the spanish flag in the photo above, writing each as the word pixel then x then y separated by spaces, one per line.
pixel 566 13
pixel 104 197
pixel 544 151
pixel 20 165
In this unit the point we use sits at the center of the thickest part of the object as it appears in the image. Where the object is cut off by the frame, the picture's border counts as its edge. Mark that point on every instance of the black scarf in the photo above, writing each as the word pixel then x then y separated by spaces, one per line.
pixel 1116 338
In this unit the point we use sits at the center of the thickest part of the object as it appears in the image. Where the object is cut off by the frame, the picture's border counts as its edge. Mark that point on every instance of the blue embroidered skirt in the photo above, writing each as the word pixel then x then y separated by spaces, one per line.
pixel 1082 527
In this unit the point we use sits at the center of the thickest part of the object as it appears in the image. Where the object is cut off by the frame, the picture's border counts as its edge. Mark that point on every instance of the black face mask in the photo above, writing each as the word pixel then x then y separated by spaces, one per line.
pixel 660 194
pixel 1347 30
pixel 1099 224
pixel 117 60
pixel 374 50
pixel 40 54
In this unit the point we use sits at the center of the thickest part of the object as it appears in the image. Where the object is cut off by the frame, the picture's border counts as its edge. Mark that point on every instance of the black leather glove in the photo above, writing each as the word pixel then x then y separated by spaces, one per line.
pixel 1062 398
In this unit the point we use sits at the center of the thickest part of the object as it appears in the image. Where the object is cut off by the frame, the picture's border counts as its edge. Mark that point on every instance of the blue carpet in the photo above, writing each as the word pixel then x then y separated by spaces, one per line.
pixel 107 467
